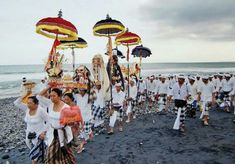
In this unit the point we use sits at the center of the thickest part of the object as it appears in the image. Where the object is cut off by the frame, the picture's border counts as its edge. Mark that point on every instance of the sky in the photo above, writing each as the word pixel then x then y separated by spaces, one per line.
pixel 174 30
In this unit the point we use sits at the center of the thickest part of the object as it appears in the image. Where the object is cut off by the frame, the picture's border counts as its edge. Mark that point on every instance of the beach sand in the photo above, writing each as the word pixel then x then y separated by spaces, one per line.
pixel 147 140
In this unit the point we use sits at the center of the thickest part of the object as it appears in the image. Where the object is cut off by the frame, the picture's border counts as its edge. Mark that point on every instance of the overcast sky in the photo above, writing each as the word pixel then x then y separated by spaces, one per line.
pixel 175 30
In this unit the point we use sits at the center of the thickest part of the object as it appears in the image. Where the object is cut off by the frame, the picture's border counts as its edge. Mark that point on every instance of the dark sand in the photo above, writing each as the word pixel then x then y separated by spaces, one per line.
pixel 160 144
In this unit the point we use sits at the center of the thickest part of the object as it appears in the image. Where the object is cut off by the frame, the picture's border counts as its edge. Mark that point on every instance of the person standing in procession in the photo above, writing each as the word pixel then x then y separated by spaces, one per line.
pixel 131 101
pixel 59 137
pixel 98 108
pixel 180 93
pixel 162 90
pixel 226 92
pixel 194 95
pixel 114 71
pixel 77 126
pixel 82 100
pixel 207 96
pixel 36 119
pixel 151 88
pixel 116 113
pixel 142 90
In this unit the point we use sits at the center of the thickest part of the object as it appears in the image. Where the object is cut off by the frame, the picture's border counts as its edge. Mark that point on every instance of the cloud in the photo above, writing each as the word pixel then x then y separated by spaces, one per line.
pixel 193 19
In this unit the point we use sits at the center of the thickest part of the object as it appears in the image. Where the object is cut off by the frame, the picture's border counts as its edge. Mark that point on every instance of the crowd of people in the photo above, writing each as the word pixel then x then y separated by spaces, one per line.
pixel 128 99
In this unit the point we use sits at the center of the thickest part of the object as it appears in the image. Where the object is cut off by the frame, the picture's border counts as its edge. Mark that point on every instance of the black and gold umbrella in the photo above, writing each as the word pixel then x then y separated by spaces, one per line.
pixel 141 52
pixel 107 28
pixel 79 43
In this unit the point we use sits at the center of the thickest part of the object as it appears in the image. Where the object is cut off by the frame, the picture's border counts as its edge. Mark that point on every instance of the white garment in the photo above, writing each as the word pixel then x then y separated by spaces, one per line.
pixel 215 81
pixel 194 90
pixel 162 88
pixel 85 107
pixel 54 121
pixel 37 123
pixel 118 97
pixel 151 86
pixel 199 82
pixel 99 102
pixel 219 85
pixel 206 91
pixel 227 85
pixel 133 92
pixel 171 83
pixel 180 93
pixel 142 87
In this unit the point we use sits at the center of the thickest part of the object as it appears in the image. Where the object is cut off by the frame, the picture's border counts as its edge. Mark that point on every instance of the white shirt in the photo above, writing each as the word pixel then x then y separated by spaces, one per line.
pixel 180 93
pixel 194 90
pixel 54 121
pixel 85 107
pixel 35 123
pixel 219 85
pixel 133 92
pixel 199 82
pixel 142 87
pixel 206 91
pixel 215 81
pixel 227 85
pixel 171 83
pixel 99 102
pixel 151 86
pixel 118 97
pixel 163 88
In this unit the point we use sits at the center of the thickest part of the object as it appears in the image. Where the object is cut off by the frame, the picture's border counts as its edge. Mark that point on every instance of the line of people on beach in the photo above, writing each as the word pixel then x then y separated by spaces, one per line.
pixel 49 133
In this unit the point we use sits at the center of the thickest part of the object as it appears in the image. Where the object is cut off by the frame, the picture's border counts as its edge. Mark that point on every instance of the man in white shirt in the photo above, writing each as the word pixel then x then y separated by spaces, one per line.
pixel 162 90
pixel 226 92
pixel 194 97
pixel 98 107
pixel 207 96
pixel 142 89
pixel 219 86
pixel 131 101
pixel 151 88
pixel 116 113
pixel 180 93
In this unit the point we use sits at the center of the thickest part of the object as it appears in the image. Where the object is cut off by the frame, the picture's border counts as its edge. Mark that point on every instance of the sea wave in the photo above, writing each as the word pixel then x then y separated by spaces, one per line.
pixel 11 76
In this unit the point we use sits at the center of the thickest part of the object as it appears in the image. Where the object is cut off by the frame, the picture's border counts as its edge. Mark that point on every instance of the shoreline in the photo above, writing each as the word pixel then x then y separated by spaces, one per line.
pixel 160 143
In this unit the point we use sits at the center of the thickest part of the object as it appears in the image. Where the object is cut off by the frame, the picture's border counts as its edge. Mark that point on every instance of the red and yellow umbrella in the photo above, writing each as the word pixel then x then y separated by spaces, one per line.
pixel 61 30
pixel 128 39
pixel 56 28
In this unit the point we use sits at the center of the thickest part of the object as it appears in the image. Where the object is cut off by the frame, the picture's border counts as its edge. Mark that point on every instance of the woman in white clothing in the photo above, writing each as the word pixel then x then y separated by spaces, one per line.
pixel 58 136
pixel 36 119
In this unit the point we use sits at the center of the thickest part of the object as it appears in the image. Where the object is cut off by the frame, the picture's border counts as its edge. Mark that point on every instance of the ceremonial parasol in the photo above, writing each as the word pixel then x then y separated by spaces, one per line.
pixel 59 29
pixel 128 39
pixel 108 27
pixel 79 43
pixel 56 28
pixel 141 52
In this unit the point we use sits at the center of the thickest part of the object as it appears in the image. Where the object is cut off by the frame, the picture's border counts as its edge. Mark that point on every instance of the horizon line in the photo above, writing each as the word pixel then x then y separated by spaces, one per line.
pixel 196 62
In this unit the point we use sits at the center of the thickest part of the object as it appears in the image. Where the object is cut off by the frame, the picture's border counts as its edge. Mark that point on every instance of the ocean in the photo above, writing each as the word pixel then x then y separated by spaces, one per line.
pixel 11 75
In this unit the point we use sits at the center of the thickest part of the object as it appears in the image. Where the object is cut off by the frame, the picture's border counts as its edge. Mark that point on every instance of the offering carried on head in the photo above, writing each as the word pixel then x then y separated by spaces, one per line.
pixel 28 87
pixel 68 82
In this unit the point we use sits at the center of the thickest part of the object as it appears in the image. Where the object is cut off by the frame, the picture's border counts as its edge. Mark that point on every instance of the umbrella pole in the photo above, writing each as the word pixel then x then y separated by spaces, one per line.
pixel 73 55
pixel 128 71
pixel 140 65
pixel 111 65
